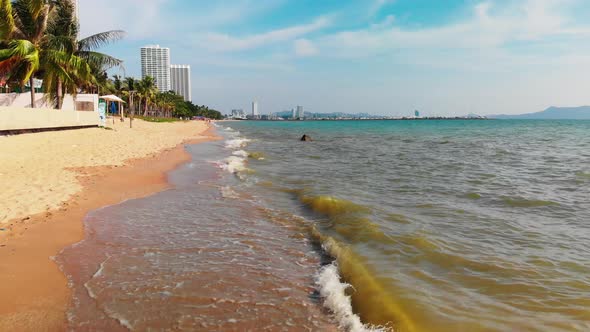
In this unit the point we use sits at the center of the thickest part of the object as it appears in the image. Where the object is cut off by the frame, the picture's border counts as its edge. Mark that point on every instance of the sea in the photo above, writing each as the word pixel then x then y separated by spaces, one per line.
pixel 393 225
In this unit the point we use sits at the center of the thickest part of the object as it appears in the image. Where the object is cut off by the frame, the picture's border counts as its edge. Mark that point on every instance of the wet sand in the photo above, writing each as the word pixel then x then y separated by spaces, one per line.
pixel 34 291
pixel 198 256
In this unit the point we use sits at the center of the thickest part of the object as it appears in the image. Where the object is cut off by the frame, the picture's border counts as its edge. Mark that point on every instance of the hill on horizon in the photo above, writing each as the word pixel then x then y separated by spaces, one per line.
pixel 551 113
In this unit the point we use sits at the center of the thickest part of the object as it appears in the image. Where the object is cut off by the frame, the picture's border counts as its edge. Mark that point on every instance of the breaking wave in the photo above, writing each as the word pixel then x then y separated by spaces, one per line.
pixel 236 143
pixel 234 164
pixel 333 292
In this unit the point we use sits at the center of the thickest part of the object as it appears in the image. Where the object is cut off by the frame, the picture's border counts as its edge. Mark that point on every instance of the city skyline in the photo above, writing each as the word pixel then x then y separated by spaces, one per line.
pixel 382 57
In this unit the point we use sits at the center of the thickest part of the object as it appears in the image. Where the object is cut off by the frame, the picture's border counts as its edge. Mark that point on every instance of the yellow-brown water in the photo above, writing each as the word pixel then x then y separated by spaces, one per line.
pixel 486 232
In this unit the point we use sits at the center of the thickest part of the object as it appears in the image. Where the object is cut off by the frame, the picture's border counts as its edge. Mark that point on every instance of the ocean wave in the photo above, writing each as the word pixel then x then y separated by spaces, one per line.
pixel 234 164
pixel 333 291
pixel 372 299
pixel 241 153
pixel 256 155
pixel 373 303
pixel 347 219
pixel 332 206
pixel 236 143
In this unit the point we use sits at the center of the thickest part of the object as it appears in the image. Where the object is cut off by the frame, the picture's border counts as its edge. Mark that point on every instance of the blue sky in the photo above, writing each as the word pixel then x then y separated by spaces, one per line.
pixel 443 57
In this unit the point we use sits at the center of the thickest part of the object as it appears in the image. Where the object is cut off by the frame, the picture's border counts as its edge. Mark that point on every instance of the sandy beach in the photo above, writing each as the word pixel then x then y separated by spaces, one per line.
pixel 50 181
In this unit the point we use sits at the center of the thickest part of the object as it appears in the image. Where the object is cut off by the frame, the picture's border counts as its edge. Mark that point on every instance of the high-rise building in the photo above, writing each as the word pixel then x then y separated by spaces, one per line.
pixel 293 114
pixel 238 114
pixel 300 113
pixel 255 109
pixel 180 80
pixel 155 62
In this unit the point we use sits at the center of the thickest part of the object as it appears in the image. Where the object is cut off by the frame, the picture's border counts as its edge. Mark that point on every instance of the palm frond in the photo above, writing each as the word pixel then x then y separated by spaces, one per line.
pixel 36 7
pixel 24 21
pixel 60 42
pixel 6 19
pixel 100 60
pixel 21 54
pixel 63 21
pixel 98 40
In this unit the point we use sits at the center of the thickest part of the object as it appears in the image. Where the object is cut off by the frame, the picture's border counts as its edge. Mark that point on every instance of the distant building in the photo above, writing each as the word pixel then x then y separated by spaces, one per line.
pixel 293 114
pixel 155 62
pixel 255 113
pixel 238 114
pixel 180 81
pixel 416 113
pixel 300 113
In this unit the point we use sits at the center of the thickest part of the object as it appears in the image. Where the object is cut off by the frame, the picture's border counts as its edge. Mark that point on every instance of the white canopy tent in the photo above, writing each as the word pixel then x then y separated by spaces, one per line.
pixel 114 98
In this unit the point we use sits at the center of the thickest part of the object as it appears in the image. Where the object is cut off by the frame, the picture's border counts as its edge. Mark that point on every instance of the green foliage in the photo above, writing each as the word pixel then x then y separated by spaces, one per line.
pixel 205 111
pixel 39 38
pixel 152 104
pixel 6 20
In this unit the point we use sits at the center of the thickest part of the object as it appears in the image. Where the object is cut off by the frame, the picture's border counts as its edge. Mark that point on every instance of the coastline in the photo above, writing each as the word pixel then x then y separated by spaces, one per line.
pixel 35 292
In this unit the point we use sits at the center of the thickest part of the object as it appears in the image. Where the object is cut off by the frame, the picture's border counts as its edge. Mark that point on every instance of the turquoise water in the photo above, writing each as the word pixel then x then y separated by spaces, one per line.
pixel 438 225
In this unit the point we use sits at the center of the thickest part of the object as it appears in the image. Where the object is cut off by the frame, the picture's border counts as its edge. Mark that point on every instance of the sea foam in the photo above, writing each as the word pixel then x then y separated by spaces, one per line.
pixel 241 153
pixel 333 291
pixel 234 164
pixel 236 143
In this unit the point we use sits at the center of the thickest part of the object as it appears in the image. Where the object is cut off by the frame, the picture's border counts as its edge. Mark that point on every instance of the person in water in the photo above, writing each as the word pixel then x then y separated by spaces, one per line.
pixel 306 138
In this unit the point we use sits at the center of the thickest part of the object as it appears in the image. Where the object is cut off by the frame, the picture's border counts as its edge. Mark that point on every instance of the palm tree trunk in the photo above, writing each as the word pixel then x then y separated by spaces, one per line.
pixel 59 101
pixel 31 81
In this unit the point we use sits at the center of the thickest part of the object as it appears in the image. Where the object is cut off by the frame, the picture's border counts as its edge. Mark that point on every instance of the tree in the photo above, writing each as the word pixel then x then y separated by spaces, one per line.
pixel 61 69
pixel 22 30
pixel 118 85
pixel 40 38
pixel 147 91
pixel 128 93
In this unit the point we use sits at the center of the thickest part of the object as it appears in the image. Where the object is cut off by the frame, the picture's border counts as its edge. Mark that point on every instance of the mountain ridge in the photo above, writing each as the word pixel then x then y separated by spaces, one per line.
pixel 551 113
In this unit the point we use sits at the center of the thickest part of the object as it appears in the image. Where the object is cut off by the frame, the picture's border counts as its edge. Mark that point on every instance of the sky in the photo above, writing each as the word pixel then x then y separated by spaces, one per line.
pixel 386 57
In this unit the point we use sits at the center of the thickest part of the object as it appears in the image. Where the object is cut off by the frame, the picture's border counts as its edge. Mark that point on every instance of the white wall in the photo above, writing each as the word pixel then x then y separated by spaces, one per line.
pixel 23 100
pixel 18 118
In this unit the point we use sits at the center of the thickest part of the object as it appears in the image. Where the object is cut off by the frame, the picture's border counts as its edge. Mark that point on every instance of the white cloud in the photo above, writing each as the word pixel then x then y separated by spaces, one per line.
pixel 225 42
pixel 138 18
pixel 303 47
pixel 489 27
pixel 165 19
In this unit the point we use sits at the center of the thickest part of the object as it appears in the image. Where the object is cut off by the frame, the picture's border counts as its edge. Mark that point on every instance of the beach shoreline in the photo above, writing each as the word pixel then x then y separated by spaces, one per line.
pixel 35 291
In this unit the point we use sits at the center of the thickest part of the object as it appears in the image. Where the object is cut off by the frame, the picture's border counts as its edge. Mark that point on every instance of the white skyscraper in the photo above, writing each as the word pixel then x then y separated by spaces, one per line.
pixel 180 76
pixel 155 62
pixel 300 113
pixel 255 109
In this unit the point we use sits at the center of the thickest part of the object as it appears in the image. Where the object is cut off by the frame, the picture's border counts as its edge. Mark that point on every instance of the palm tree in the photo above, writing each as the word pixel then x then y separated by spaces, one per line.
pixel 40 37
pixel 22 28
pixel 62 70
pixel 129 91
pixel 147 91
pixel 85 49
pixel 117 84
